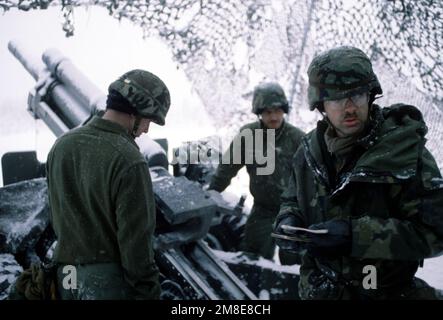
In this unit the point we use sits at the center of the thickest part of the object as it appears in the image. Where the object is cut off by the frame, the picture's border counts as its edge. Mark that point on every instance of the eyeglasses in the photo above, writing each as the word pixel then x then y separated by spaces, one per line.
pixel 359 100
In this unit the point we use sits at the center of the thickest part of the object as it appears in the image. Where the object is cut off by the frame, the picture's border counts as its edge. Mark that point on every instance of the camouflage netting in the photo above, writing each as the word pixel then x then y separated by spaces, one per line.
pixel 227 46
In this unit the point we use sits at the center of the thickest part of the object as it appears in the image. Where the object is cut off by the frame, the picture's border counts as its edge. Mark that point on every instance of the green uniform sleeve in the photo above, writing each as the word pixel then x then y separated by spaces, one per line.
pixel 226 171
pixel 289 204
pixel 415 230
pixel 135 210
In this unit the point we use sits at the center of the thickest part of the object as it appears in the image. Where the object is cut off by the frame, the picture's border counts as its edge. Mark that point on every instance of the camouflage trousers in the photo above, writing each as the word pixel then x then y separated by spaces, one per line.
pixel 258 240
pixel 98 281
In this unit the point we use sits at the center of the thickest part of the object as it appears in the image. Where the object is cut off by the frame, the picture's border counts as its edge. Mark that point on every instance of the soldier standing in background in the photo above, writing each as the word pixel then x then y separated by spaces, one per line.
pixel 101 198
pixel 269 104
pixel 366 182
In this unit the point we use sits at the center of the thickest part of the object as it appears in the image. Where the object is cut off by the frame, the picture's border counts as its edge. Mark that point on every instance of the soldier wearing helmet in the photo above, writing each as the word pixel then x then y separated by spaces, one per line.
pixel 101 198
pixel 269 103
pixel 365 187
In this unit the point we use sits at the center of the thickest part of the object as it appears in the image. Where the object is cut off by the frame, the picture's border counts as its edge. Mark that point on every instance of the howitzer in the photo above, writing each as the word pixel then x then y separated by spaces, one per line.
pixel 65 98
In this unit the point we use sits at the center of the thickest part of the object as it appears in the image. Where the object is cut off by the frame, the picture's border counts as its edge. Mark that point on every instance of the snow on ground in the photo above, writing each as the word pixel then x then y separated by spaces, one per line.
pixel 240 257
pixel 9 271
pixel 104 49
pixel 432 272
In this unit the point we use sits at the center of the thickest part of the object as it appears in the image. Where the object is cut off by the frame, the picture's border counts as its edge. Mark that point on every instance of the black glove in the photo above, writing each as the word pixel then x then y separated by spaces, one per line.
pixel 337 242
pixel 288 245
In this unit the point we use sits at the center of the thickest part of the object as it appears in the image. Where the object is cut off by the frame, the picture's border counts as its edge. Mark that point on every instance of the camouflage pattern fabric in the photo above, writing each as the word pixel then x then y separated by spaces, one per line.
pixel 339 73
pixel 269 95
pixel 146 92
pixel 266 189
pixel 257 232
pixel 393 194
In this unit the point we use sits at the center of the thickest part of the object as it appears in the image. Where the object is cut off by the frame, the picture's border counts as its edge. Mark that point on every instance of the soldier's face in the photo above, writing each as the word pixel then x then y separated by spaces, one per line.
pixel 348 115
pixel 273 117
pixel 143 127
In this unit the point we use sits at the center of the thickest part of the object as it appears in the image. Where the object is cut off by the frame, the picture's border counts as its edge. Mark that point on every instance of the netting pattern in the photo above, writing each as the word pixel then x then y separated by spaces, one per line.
pixel 227 46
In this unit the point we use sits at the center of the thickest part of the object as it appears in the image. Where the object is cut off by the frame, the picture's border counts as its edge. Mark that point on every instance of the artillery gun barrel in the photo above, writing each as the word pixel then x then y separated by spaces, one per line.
pixel 32 65
pixel 54 100
pixel 66 106
pixel 89 95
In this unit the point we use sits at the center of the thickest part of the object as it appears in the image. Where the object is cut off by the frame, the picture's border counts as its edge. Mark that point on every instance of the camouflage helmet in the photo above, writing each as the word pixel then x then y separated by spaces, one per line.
pixel 146 92
pixel 339 73
pixel 269 95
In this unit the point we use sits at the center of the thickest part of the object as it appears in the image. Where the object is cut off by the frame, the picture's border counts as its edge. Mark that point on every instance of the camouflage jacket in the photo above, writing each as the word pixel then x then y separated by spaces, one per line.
pixel 393 194
pixel 266 189
pixel 102 203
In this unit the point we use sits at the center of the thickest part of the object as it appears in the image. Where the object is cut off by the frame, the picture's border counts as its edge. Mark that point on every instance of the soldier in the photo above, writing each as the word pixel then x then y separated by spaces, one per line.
pixel 365 179
pixel 101 197
pixel 269 103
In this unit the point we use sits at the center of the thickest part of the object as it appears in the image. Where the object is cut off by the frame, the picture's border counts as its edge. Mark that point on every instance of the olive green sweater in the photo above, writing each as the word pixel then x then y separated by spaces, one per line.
pixel 102 202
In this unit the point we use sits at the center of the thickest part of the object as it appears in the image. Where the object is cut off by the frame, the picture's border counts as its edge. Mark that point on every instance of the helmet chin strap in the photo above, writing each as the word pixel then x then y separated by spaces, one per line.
pixel 138 119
